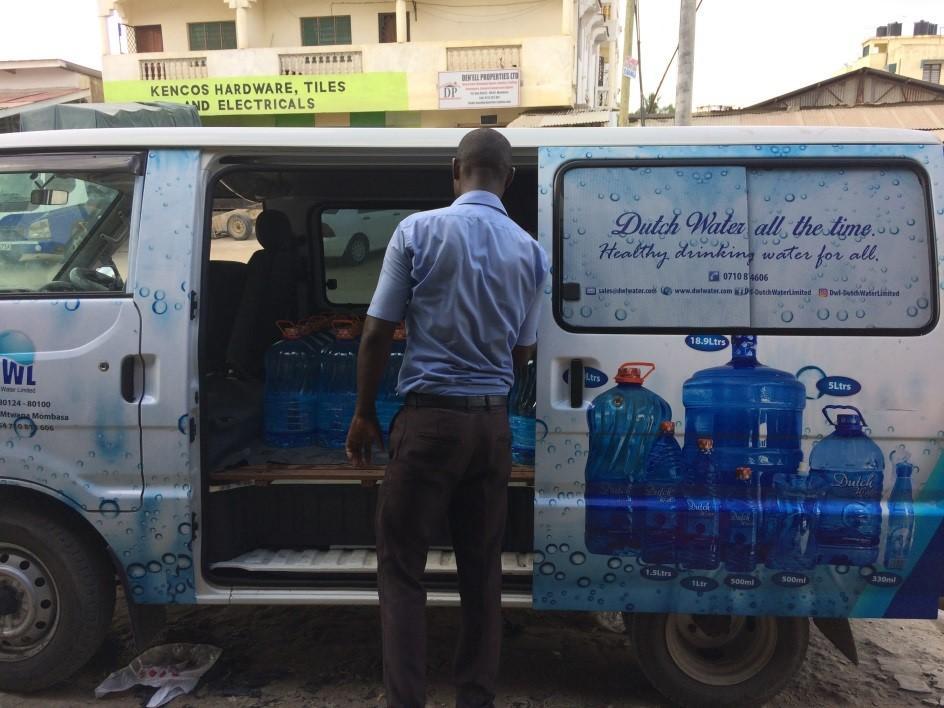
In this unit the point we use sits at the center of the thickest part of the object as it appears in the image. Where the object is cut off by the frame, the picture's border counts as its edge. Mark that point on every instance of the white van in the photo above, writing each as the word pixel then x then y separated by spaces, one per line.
pixel 718 502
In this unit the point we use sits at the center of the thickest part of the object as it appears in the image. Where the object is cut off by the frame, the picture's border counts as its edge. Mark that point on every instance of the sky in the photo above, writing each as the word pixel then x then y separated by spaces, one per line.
pixel 746 50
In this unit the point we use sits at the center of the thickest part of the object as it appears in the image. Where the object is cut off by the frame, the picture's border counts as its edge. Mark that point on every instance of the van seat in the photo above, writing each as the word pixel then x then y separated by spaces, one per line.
pixel 270 294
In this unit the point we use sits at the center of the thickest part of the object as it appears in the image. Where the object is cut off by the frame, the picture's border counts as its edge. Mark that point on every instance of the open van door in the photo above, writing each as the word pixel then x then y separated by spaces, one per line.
pixel 741 420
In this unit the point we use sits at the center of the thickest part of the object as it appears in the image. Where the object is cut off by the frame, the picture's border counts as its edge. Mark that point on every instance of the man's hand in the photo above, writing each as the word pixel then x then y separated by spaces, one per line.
pixel 363 433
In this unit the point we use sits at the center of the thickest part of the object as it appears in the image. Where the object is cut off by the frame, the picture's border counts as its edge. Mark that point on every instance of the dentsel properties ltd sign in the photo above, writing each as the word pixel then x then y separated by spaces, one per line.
pixel 488 88
pixel 247 95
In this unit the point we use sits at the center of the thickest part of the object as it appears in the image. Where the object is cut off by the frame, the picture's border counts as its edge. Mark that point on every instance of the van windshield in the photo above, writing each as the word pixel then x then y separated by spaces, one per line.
pixel 64 232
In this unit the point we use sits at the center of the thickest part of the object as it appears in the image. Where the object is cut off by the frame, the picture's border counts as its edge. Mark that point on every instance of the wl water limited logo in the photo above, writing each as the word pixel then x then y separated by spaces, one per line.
pixel 16 374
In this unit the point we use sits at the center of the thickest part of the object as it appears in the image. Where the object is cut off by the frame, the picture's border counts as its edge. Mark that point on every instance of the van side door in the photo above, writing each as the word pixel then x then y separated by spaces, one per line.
pixel 740 415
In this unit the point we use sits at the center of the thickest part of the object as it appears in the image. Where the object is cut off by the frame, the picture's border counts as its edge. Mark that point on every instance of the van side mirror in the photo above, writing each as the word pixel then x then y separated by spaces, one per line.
pixel 49 197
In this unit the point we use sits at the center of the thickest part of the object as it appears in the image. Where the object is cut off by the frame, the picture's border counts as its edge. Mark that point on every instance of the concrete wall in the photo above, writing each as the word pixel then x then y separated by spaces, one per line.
pixel 907 53
pixel 173 17
pixel 43 78
pixel 277 23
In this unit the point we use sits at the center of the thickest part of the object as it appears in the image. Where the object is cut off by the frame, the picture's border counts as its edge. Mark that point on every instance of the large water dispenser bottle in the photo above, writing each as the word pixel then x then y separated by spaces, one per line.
pixel 901 518
pixel 852 469
pixel 754 415
pixel 338 384
pixel 388 401
pixel 624 422
pixel 521 409
pixel 291 399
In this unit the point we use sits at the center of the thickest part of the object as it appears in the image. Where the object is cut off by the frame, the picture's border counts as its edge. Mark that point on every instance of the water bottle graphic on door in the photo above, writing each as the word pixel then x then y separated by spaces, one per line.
pixel 624 423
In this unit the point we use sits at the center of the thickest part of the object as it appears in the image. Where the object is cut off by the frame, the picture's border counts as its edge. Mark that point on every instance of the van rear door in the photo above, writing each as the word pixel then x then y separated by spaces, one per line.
pixel 740 415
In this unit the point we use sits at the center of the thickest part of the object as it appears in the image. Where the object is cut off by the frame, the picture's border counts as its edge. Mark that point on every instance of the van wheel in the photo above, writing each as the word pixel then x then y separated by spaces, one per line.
pixel 702 661
pixel 239 227
pixel 357 250
pixel 57 595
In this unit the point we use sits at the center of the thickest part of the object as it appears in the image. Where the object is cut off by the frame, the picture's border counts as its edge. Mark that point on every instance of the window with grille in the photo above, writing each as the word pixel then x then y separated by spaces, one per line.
pixel 211 35
pixel 318 31
pixel 931 72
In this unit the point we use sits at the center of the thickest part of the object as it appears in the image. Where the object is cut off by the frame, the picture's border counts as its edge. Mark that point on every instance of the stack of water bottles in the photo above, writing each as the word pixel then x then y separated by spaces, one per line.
pixel 290 408
pixel 338 383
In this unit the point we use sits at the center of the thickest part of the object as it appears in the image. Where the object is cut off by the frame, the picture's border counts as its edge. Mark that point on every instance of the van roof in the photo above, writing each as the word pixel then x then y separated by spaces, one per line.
pixel 432 138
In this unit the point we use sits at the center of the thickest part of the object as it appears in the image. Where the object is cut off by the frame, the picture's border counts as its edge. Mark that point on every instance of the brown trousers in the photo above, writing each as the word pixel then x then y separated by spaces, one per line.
pixel 452 463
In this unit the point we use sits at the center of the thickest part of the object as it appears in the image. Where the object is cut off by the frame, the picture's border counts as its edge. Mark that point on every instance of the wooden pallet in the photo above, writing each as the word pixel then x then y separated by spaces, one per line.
pixel 267 473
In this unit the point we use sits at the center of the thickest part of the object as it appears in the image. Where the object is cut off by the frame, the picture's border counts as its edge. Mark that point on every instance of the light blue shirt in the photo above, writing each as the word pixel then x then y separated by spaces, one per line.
pixel 469 282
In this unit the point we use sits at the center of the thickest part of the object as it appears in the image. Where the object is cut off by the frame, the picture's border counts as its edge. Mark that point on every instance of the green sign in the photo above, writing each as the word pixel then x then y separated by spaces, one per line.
pixel 252 95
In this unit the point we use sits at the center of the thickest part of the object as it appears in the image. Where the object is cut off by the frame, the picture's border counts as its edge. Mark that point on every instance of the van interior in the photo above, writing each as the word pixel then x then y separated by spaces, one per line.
pixel 302 516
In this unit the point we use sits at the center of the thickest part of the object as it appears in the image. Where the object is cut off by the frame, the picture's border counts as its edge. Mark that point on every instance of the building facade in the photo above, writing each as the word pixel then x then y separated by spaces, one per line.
pixel 919 56
pixel 34 83
pixel 403 63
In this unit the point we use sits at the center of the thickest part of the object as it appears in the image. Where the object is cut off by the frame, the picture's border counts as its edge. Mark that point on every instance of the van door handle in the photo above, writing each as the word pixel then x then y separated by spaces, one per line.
pixel 575 378
pixel 127 378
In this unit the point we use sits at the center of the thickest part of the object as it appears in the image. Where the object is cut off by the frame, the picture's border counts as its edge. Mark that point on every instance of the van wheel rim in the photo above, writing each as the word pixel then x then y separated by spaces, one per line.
pixel 724 658
pixel 237 228
pixel 30 613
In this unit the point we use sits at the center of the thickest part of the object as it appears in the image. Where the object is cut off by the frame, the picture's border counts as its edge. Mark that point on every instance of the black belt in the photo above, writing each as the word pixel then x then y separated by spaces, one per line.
pixel 465 403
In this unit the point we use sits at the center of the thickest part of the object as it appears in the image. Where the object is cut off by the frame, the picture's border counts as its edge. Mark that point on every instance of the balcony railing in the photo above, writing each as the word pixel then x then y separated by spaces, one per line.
pixel 470 58
pixel 320 63
pixel 188 68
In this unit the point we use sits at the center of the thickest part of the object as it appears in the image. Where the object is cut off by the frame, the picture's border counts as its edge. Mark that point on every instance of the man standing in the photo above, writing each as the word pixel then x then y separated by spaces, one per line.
pixel 468 280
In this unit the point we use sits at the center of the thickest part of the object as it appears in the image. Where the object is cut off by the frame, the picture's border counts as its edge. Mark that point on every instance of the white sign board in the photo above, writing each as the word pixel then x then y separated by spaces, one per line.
pixel 479 88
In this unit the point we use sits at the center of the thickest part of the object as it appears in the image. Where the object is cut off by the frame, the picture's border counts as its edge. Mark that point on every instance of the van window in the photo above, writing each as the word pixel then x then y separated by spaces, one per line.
pixel 730 246
pixel 64 231
pixel 354 241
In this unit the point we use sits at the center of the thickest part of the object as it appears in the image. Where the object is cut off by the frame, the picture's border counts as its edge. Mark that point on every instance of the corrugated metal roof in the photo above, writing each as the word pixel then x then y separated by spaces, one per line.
pixel 562 119
pixel 917 116
pixel 29 97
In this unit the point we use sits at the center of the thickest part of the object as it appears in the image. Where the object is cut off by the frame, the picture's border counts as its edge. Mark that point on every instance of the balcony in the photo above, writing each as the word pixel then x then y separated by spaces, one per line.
pixel 319 63
pixel 189 68
pixel 546 64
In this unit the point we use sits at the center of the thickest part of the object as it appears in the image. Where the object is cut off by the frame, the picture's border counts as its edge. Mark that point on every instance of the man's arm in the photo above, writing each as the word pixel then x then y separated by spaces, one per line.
pixel 387 307
pixel 371 361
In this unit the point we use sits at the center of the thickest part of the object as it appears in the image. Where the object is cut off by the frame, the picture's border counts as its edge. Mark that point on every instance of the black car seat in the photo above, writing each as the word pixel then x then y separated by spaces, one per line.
pixel 270 294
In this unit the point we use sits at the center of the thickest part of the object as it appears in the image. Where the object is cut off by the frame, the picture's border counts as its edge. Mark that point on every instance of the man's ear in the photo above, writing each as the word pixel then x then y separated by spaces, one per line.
pixel 510 178
pixel 456 169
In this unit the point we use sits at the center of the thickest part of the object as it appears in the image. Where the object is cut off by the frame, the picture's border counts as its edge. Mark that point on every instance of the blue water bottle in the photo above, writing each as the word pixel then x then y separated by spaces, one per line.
pixel 388 401
pixel 521 418
pixel 700 529
pixel 851 468
pixel 740 516
pixel 623 423
pixel 753 414
pixel 290 405
pixel 793 522
pixel 338 384
pixel 656 508
pixel 901 519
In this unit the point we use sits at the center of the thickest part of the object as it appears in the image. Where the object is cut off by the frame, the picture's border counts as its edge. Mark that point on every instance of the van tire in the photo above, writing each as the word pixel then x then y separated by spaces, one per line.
pixel 239 227
pixel 56 561
pixel 770 650
pixel 358 249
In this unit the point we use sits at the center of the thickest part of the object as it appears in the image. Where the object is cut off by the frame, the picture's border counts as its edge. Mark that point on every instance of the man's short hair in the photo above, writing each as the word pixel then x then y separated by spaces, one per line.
pixel 485 150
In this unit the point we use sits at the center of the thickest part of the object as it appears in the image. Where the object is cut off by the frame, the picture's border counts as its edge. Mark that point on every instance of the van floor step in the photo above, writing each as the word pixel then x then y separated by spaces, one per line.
pixel 351 560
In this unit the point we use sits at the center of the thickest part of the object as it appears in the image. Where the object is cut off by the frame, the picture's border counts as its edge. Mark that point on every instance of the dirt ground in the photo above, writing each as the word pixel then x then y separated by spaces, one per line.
pixel 329 656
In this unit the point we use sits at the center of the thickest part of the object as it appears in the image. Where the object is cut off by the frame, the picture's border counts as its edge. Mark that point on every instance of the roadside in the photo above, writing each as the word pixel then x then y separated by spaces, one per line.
pixel 329 656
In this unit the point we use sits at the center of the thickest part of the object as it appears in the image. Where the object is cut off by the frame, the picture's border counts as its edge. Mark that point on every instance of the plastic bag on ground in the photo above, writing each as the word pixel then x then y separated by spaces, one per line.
pixel 174 669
